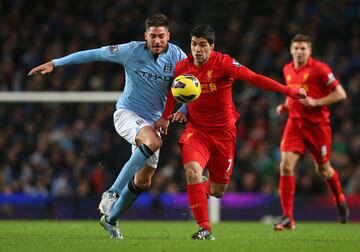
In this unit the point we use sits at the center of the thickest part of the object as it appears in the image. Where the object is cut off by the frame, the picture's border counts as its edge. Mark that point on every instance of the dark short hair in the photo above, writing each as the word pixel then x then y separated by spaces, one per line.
pixel 156 20
pixel 204 31
pixel 301 38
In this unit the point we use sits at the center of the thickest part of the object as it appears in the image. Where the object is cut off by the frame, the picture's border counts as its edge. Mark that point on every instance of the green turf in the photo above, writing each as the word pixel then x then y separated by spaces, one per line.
pixel 174 236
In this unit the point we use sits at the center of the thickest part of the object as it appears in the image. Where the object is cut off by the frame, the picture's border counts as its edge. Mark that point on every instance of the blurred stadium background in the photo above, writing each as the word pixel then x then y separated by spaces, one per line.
pixel 57 158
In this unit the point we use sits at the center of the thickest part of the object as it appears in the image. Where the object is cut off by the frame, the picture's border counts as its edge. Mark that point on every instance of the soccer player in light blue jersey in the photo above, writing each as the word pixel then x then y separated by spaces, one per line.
pixel 149 69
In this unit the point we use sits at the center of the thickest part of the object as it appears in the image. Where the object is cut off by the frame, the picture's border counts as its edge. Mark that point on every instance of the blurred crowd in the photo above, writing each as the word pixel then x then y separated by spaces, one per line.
pixel 67 150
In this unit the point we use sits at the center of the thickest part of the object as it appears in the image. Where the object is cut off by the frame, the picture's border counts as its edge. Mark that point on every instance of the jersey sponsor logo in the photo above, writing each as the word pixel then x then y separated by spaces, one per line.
pixel 167 68
pixel 299 85
pixel 237 64
pixel 288 77
pixel 208 87
pixel 152 76
pixel 113 49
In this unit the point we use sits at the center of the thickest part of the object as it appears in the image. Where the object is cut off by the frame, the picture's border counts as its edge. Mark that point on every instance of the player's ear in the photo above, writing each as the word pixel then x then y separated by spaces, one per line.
pixel 145 35
pixel 168 35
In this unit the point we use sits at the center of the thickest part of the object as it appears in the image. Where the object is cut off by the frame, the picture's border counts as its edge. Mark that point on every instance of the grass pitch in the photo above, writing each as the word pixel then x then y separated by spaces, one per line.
pixel 175 236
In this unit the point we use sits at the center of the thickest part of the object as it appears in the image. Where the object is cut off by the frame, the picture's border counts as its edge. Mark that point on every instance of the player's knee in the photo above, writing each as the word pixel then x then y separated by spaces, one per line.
pixel 286 168
pixel 192 175
pixel 218 194
pixel 153 143
pixel 323 171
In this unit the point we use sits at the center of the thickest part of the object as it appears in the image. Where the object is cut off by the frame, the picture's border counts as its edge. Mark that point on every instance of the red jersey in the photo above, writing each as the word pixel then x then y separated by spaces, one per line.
pixel 318 80
pixel 214 108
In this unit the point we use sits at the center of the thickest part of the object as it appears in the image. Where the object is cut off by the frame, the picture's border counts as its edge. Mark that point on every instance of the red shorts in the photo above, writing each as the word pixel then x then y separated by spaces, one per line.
pixel 213 150
pixel 314 136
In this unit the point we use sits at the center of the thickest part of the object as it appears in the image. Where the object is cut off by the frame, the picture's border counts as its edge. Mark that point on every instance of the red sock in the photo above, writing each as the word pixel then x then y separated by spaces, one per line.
pixel 287 192
pixel 198 204
pixel 334 184
pixel 206 185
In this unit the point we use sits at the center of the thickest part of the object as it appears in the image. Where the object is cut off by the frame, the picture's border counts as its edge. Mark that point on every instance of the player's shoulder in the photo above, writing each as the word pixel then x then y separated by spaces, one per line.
pixel 288 66
pixel 136 45
pixel 319 65
pixel 174 48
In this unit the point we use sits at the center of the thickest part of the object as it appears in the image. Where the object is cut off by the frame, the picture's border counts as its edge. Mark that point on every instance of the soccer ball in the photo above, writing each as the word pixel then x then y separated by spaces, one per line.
pixel 186 88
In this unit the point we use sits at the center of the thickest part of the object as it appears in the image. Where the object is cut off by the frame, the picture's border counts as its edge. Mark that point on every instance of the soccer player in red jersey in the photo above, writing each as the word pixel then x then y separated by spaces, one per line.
pixel 209 137
pixel 308 127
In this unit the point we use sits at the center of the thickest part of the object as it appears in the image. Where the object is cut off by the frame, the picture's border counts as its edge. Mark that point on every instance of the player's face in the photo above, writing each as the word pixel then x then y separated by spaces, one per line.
pixel 300 52
pixel 200 50
pixel 157 39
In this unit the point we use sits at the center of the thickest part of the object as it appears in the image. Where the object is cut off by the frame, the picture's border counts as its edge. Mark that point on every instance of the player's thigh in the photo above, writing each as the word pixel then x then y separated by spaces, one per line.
pixel 318 141
pixel 194 147
pixel 147 135
pixel 221 162
pixel 292 138
pixel 128 124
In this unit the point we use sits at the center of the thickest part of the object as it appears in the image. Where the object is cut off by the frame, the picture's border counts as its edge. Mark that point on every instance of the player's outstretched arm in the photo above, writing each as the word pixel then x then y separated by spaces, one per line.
pixel 74 58
pixel 263 82
pixel 48 67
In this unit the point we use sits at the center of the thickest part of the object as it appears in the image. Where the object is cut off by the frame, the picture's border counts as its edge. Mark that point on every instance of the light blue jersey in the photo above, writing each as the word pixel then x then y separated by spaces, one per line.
pixel 147 79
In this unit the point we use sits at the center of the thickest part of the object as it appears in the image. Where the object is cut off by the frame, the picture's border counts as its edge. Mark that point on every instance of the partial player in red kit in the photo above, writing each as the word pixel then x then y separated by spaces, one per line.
pixel 209 138
pixel 308 127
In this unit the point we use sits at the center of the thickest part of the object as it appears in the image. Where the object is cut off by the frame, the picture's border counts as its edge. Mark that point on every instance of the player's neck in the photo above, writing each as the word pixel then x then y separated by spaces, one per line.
pixel 299 64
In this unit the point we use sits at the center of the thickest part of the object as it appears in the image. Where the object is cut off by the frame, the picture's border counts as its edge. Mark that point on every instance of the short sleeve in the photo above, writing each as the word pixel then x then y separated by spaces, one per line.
pixel 327 78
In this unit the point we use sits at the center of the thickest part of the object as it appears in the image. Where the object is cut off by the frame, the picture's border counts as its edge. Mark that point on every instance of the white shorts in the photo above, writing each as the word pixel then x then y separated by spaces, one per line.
pixel 127 124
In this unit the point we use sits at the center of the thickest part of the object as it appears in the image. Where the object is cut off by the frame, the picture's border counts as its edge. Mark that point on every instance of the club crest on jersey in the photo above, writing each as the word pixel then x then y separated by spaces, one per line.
pixel 167 68
pixel 306 76
pixel 113 49
pixel 288 77
pixel 237 64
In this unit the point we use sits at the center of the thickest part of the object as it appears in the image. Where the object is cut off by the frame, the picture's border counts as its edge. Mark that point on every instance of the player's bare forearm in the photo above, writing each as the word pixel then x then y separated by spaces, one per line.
pixel 338 94
pixel 48 67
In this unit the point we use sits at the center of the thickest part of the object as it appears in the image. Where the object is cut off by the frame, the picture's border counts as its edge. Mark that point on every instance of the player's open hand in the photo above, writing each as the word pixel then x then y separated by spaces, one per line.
pixel 48 67
pixel 162 125
pixel 178 117
pixel 297 93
